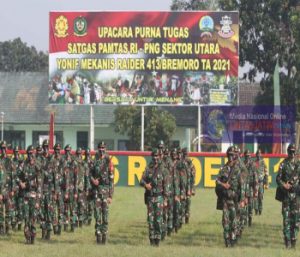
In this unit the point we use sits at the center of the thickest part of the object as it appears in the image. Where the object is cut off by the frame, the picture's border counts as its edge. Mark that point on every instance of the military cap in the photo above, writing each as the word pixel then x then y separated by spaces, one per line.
pixel 57 146
pixel 45 142
pixel 68 147
pixel 101 144
pixel 30 149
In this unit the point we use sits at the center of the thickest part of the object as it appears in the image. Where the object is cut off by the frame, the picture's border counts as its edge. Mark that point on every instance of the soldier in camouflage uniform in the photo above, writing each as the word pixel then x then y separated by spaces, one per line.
pixel 288 182
pixel 102 183
pixel 173 217
pixel 18 199
pixel 262 182
pixel 48 192
pixel 252 190
pixel 88 165
pixel 154 181
pixel 184 186
pixel 191 172
pixel 81 187
pixel 59 188
pixel 29 180
pixel 69 167
pixel 8 191
pixel 228 190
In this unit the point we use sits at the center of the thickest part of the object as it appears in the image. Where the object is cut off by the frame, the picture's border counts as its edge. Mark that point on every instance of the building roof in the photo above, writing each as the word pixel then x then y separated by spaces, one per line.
pixel 24 100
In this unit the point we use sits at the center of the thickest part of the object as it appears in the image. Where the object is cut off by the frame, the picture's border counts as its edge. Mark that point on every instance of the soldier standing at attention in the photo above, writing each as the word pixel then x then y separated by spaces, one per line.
pixel 29 180
pixel 154 182
pixel 9 189
pixel 68 167
pixel 227 189
pixel 58 198
pixel 262 182
pixel 191 172
pixel 102 182
pixel 18 199
pixel 252 191
pixel 48 192
pixel 88 165
pixel 288 182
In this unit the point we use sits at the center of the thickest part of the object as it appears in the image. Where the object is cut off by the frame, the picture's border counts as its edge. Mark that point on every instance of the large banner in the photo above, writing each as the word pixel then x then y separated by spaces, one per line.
pixel 156 58
pixel 129 167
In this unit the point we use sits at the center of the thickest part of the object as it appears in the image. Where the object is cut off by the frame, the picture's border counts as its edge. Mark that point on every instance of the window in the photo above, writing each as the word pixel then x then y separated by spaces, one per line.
pixel 82 139
pixel 123 145
pixel 58 137
pixel 15 138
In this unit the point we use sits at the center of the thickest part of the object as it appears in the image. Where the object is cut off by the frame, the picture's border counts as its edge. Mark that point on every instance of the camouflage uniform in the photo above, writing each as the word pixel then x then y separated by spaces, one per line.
pixel 59 188
pixel 48 192
pixel 288 181
pixel 228 191
pixel 154 181
pixel 81 187
pixel 8 191
pixel 184 187
pixel 262 181
pixel 172 187
pixel 88 166
pixel 68 166
pixel 174 218
pixel 102 183
pixel 252 190
pixel 191 172
pixel 18 198
pixel 29 180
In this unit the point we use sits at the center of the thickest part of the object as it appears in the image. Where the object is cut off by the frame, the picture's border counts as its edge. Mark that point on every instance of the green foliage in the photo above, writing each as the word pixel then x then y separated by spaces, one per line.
pixel 194 5
pixel 128 233
pixel 159 125
pixel 16 56
pixel 269 29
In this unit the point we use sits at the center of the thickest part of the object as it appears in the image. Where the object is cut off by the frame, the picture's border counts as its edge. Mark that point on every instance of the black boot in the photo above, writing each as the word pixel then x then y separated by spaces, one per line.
pixel 250 221
pixel 32 240
pixel 58 230
pixel 98 238
pixel 156 242
pixel 287 243
pixel 19 226
pixel 163 235
pixel 44 233
pixel 7 229
pixel 103 239
pixel 293 243
pixel 169 232
pixel 54 230
pixel 227 243
pixel 256 211
pixel 187 220
pixel 259 212
pixel 48 235
pixel 72 227
pixel 152 242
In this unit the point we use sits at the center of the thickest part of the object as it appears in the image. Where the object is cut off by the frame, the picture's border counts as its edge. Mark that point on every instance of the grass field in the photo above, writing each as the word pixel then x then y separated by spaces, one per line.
pixel 128 233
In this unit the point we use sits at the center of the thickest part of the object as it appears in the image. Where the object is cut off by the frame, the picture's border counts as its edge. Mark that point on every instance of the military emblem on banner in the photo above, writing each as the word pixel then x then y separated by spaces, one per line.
pixel 206 25
pixel 226 31
pixel 61 26
pixel 80 26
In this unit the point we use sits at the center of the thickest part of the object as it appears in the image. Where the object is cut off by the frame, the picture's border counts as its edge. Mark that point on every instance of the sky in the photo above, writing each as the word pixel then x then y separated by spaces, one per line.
pixel 29 19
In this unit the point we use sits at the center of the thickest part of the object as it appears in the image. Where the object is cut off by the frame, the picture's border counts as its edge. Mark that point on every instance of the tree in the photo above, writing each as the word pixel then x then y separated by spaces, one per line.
pixel 194 5
pixel 159 125
pixel 17 56
pixel 269 30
